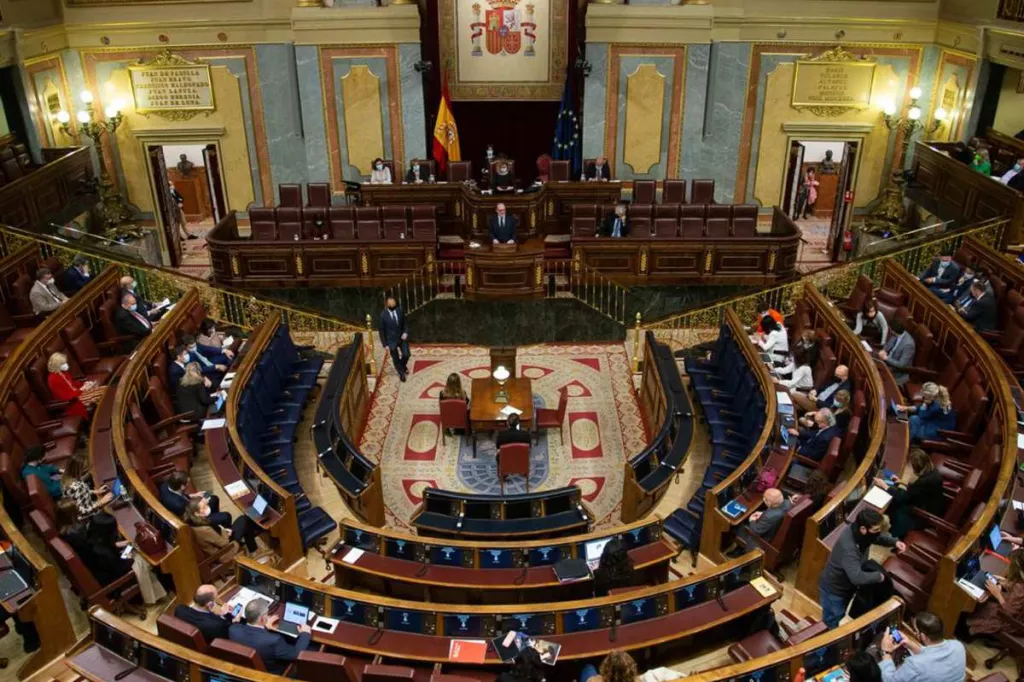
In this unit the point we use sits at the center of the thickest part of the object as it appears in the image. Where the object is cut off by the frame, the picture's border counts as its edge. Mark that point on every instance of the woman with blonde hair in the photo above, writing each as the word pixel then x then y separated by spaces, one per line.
pixel 933 414
pixel 197 515
pixel 66 388
pixel 618 666
pixel 982 161
pixel 192 395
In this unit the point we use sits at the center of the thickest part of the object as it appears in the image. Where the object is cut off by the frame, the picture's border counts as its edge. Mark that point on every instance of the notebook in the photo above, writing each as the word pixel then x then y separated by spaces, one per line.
pixel 733 509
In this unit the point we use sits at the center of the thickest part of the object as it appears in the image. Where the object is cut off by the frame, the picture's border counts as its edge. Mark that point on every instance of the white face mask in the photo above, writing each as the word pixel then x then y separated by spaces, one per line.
pixel 65 367
pixel 380 166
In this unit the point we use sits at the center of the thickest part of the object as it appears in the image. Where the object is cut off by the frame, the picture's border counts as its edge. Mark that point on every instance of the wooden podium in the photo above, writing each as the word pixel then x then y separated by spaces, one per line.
pixel 500 271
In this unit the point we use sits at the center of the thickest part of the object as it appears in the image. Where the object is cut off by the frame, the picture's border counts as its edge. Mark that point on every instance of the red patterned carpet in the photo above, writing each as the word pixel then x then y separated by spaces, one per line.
pixel 603 426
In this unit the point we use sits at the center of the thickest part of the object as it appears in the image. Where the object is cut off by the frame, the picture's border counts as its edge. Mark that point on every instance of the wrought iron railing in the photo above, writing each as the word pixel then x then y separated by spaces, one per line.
pixel 235 307
pixel 701 325
pixel 601 293
pixel 1011 10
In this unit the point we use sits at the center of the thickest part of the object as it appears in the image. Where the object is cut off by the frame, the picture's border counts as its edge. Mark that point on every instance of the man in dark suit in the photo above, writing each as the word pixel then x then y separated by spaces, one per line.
pixel 129 321
pixel 980 308
pixel 504 179
pixel 210 618
pixel 393 335
pixel 899 352
pixel 813 442
pixel 78 275
pixel 598 170
pixel 513 434
pixel 259 632
pixel 822 396
pixel 418 172
pixel 174 495
pixel 959 289
pixel 942 273
pixel 502 226
pixel 150 310
pixel 615 225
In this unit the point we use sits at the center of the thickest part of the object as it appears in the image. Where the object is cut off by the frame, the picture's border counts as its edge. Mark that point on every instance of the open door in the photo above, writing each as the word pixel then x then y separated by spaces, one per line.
pixel 793 175
pixel 169 218
pixel 843 213
pixel 211 160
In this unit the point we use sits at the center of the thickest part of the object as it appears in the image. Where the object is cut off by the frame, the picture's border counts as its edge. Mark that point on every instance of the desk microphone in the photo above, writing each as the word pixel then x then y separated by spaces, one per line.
pixel 126 672
pixel 375 637
pixel 522 576
pixel 721 602
pixel 426 565
pixel 614 632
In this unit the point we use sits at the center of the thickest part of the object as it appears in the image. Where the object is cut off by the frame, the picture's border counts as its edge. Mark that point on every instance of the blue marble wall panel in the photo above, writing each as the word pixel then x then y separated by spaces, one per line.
pixel 340 66
pixel 711 142
pixel 414 115
pixel 926 81
pixel 981 87
pixel 307 66
pixel 594 91
pixel 39 81
pixel 279 90
pixel 626 66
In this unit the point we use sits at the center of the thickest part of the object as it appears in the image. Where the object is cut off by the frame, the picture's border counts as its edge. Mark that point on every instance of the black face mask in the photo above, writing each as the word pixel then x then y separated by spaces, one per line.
pixel 869 539
pixel 392 307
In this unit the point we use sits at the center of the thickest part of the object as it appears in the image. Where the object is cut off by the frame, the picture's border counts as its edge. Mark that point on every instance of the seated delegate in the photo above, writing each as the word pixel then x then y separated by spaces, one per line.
pixel 813 443
pixel 925 491
pixel 979 308
pixel 942 272
pixel 44 295
pixel 598 170
pixel 258 632
pixel 513 434
pixel 935 413
pixel 615 225
pixel 872 323
pixel 824 395
pixel 763 524
pixel 211 618
pixel 504 179
pixel 381 174
pixel 899 352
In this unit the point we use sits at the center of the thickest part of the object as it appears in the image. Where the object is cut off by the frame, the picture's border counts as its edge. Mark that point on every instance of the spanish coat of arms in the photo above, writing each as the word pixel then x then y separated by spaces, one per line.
pixel 505 29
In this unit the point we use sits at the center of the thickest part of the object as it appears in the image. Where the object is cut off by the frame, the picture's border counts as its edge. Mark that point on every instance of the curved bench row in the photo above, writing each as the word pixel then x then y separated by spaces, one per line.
pixel 551 513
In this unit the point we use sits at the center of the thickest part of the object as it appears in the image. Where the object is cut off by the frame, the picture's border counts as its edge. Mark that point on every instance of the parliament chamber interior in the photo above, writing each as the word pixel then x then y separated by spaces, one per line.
pixel 544 341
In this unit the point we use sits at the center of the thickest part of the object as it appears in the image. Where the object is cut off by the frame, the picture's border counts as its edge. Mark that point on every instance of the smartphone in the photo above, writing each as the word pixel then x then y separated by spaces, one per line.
pixel 897 638
pixel 235 611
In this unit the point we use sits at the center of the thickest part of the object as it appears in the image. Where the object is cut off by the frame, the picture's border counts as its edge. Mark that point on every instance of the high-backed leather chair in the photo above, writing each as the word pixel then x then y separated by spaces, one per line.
pixel 111 597
pixel 559 171
pixel 863 290
pixel 513 460
pixel 87 353
pixel 925 343
pixel 181 633
pixel 314 222
pixel 387 673
pixel 43 524
pixel 673 192
pixel 342 223
pixel 424 222
pixel 720 211
pixel 39 496
pixel 718 228
pixel 395 222
pixel 291 196
pixel 644 191
pixel 666 228
pixel 14 484
pixel 547 418
pixel 460 171
pixel 666 211
pixel 744 220
pixel 57 449
pixel 543 167
pixel 20 289
pixel 493 168
pixel 584 220
pixel 236 653
pixel 289 223
pixel 702 192
pixel 640 216
pixel 952 373
pixel 315 666
pixel 12 169
pixel 691 228
pixel 368 223
pixel 390 165
pixel 694 210
pixel 318 194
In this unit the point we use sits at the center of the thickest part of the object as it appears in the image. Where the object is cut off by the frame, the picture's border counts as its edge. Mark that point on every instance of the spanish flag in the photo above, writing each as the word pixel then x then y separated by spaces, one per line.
pixel 446 135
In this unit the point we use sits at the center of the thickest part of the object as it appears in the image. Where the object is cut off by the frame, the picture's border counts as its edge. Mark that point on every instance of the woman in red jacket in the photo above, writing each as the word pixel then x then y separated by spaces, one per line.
pixel 64 387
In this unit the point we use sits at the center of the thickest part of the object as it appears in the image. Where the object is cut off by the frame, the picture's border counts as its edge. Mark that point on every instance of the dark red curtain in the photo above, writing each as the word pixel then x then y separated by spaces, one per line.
pixel 522 130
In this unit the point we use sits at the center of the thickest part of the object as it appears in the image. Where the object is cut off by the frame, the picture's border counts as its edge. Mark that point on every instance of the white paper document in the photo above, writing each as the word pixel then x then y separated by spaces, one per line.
pixel 236 489
pixel 213 424
pixel 509 410
pixel 228 341
pixel 1020 441
pixel 867 346
pixel 353 555
pixel 877 497
pixel 970 588
pixel 1019 506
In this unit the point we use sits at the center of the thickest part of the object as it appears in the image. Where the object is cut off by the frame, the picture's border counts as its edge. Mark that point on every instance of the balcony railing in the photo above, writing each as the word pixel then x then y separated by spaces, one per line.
pixel 1011 10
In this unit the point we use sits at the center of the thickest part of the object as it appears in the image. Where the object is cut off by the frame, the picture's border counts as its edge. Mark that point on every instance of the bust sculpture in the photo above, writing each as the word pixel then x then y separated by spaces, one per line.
pixel 827 165
pixel 185 166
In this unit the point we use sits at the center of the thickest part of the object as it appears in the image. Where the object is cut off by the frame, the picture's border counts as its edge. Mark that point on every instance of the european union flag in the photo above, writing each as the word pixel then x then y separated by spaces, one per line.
pixel 568 144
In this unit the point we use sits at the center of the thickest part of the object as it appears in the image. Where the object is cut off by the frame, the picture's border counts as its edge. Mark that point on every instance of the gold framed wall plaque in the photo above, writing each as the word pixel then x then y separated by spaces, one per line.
pixel 833 83
pixel 172 87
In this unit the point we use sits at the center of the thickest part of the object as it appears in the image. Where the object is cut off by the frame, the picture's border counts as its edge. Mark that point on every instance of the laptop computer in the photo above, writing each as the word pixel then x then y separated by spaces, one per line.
pixel 594 549
pixel 294 616
pixel 999 546
pixel 11 583
pixel 258 509
pixel 901 416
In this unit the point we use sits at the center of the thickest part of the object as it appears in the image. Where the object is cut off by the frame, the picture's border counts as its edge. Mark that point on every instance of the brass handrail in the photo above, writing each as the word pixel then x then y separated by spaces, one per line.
pixel 232 306
pixel 600 292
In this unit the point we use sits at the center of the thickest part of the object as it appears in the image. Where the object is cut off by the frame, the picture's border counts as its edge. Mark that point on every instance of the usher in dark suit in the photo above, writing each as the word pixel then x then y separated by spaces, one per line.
pixel 503 232
pixel 391 328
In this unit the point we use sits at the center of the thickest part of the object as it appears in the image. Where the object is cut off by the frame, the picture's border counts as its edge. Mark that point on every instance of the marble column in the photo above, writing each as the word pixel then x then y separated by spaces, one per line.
pixel 279 89
pixel 414 114
pixel 594 94
pixel 307 66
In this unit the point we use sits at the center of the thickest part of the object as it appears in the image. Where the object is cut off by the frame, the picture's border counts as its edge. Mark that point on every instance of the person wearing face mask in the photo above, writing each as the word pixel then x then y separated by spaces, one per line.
pixel 206 356
pixel 78 275
pixel 418 172
pixel 504 179
pixel 1010 175
pixel 44 296
pixel 181 359
pixel 129 321
pixel 150 310
pixel 65 388
pixel 844 572
pixel 381 174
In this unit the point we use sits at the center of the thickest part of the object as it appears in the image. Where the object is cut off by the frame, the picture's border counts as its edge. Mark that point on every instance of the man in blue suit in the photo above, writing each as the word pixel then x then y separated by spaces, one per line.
pixel 502 226
pixel 207 356
pixel 393 335
pixel 813 443
pixel 78 275
pixel 176 370
pixel 941 274
pixel 258 632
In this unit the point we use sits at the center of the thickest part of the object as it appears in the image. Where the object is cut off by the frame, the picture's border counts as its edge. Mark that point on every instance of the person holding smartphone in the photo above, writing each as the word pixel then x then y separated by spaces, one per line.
pixel 208 615
pixel 935 659
pixel 1007 595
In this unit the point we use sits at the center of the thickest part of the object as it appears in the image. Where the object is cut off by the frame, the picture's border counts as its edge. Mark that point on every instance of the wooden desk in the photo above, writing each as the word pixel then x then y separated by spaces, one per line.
pixel 496 273
pixel 485 414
